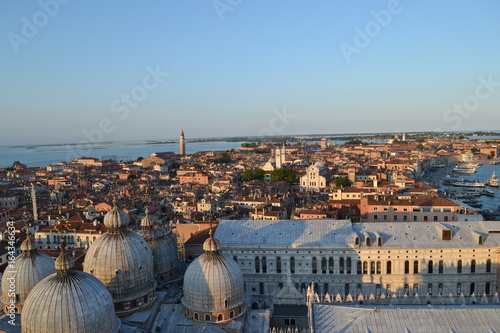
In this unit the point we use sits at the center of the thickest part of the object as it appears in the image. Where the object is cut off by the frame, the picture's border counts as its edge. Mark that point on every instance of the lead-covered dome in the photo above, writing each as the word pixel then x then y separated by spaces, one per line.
pixel 69 301
pixel 213 286
pixel 29 268
pixel 163 245
pixel 116 218
pixel 123 261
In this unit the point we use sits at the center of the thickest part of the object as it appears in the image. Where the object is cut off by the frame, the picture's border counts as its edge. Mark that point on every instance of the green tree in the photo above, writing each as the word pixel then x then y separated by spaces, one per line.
pixel 249 145
pixel 289 176
pixel 419 139
pixel 342 182
pixel 247 175
pixel 132 176
pixel 286 175
pixel 420 147
pixel 355 142
pixel 223 158
pixel 492 153
pixel 140 158
pixel 475 150
pixel 259 174
pixel 277 175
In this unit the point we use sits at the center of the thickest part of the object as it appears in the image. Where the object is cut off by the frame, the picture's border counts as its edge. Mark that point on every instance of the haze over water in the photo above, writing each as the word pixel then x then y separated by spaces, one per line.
pixel 41 156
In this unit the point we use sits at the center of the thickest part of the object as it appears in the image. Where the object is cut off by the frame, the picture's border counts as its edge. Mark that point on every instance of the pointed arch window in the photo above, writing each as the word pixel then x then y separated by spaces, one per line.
pixel 314 265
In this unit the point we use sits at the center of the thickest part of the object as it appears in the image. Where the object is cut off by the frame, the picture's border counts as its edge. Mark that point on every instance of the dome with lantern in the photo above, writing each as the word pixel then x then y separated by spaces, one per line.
pixel 123 261
pixel 213 286
pixel 29 268
pixel 69 301
pixel 163 245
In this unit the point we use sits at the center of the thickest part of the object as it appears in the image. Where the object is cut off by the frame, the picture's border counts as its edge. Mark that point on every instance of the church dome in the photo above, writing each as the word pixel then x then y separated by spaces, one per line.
pixel 116 218
pixel 29 268
pixel 147 222
pixel 69 301
pixel 211 245
pixel 123 261
pixel 163 245
pixel 320 164
pixel 213 286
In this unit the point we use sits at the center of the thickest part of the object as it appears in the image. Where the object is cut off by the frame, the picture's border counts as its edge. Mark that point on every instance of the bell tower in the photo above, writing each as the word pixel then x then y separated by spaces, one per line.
pixel 182 144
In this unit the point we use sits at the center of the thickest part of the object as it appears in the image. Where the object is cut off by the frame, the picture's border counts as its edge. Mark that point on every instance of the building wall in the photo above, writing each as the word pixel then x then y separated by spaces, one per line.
pixel 10 202
pixel 314 179
pixel 4 217
pixel 369 267
pixel 262 281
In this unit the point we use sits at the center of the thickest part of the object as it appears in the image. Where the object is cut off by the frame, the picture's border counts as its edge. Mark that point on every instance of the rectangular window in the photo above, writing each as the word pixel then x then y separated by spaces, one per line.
pixel 426 209
pixel 447 210
pixel 416 209
pixel 436 210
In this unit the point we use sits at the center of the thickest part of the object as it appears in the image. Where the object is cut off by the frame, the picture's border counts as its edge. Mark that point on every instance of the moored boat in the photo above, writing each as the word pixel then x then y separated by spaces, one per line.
pixel 464 183
pixel 493 180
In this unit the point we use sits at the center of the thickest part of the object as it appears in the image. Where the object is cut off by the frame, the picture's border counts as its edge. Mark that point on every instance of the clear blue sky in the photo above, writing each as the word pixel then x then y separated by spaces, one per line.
pixel 231 63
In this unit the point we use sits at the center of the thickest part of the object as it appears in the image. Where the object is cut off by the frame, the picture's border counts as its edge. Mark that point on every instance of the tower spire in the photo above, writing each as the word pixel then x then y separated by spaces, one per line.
pixel 182 144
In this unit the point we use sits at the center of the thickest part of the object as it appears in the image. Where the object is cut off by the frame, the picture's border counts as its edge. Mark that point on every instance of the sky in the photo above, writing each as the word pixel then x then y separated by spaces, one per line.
pixel 93 71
